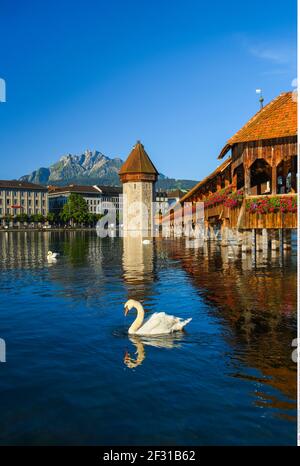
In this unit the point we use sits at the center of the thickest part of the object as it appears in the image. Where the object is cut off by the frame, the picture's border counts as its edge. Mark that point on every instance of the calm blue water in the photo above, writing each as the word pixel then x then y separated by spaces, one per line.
pixel 229 380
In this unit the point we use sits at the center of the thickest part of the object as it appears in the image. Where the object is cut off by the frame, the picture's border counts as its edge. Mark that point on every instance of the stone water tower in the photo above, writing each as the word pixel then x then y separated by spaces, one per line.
pixel 138 176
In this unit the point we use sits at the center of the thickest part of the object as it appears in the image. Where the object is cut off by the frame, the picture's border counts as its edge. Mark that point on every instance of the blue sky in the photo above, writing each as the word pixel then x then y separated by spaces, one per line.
pixel 179 75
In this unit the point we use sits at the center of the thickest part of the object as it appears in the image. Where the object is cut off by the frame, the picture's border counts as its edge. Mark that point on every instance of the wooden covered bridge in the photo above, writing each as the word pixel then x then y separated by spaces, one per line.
pixel 253 192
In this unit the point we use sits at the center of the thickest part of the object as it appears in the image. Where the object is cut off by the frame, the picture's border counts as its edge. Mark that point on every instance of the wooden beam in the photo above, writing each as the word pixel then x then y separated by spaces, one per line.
pixel 247 179
pixel 294 173
pixel 274 179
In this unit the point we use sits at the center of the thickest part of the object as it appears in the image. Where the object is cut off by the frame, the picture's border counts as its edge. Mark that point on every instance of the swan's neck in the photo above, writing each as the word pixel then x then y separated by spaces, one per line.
pixel 139 319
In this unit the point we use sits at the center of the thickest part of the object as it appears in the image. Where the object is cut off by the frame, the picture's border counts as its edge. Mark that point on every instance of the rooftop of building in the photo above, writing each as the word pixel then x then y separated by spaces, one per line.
pixel 171 193
pixel 86 189
pixel 176 193
pixel 17 184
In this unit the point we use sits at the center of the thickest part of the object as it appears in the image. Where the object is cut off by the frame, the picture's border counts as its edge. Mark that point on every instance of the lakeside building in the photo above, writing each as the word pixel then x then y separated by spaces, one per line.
pixel 167 199
pixel 93 195
pixel 174 195
pixel 22 197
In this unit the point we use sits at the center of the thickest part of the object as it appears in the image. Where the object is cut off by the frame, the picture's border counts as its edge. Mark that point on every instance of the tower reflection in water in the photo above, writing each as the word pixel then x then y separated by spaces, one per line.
pixel 138 267
pixel 139 275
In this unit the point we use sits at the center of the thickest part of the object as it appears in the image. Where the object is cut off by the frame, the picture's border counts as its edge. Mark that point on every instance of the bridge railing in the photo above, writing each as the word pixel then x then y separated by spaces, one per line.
pixel 265 211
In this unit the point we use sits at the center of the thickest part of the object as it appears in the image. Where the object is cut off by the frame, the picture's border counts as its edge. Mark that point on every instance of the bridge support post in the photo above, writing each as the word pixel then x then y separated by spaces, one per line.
pixel 280 234
pixel 275 241
pixel 253 239
pixel 206 231
pixel 246 241
pixel 213 233
pixel 287 243
pixel 224 233
pixel 239 237
pixel 259 240
pixel 265 239
pixel 224 237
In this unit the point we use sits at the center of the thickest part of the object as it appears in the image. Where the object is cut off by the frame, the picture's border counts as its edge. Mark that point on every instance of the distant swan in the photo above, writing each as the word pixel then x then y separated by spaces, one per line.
pixel 158 324
pixel 52 256
pixel 146 241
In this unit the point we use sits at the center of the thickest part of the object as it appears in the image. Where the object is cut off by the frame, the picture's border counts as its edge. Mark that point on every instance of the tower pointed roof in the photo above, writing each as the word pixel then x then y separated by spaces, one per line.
pixel 138 161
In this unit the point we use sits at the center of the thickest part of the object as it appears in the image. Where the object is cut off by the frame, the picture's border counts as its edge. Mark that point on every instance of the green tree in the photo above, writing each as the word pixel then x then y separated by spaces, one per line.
pixel 8 218
pixel 51 217
pixel 38 218
pixel 75 209
pixel 22 218
pixel 92 219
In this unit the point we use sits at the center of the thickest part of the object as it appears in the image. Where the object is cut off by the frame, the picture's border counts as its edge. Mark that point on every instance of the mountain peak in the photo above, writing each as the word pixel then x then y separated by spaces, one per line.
pixel 89 168
pixel 65 157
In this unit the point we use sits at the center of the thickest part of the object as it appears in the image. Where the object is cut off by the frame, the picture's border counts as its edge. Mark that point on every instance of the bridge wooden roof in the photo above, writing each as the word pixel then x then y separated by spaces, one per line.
pixel 216 172
pixel 277 119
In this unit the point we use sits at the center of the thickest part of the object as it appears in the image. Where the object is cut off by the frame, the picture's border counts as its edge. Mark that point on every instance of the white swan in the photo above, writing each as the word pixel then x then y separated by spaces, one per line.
pixel 146 241
pixel 52 256
pixel 158 324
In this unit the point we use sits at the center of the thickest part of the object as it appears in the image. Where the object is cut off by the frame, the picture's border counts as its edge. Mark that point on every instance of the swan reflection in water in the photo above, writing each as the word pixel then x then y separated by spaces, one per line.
pixel 162 341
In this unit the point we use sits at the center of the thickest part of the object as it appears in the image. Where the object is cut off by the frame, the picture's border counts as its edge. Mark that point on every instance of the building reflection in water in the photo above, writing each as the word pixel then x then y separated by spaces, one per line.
pixel 22 249
pixel 92 264
pixel 256 298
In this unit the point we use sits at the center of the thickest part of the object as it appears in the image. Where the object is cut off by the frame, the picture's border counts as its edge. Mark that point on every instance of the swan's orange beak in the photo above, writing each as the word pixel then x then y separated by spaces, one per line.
pixel 126 311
